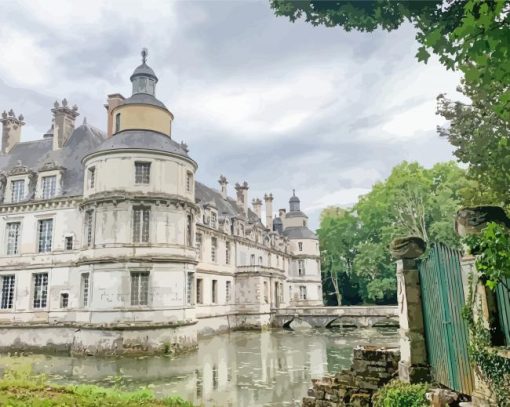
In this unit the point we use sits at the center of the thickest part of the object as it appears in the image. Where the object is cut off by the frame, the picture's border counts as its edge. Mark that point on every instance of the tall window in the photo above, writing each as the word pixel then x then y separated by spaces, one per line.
pixel 214 291
pixel 17 190
pixel 117 122
pixel 7 300
pixel 89 227
pixel 69 242
pixel 142 173
pixel 266 292
pixel 85 289
pixel 45 230
pixel 13 232
pixel 269 260
pixel 189 181
pixel 189 230
pixel 141 225
pixel 214 219
pixel 91 177
pixel 49 186
pixel 302 292
pixel 227 252
pixel 228 292
pixel 260 260
pixel 252 260
pixel 139 288
pixel 301 268
pixel 40 290
pixel 64 300
pixel 300 246
pixel 189 288
pixel 214 249
pixel 200 291
pixel 198 243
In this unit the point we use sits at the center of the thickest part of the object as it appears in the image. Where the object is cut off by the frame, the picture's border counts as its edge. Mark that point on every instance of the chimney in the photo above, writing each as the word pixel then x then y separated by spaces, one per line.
pixel 242 195
pixel 269 211
pixel 282 212
pixel 111 103
pixel 223 186
pixel 257 205
pixel 63 119
pixel 11 130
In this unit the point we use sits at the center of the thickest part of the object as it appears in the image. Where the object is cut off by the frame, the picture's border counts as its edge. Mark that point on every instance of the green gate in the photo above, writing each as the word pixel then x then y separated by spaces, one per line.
pixel 446 332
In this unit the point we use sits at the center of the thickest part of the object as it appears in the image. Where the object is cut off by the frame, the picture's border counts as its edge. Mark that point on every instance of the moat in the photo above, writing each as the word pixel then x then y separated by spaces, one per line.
pixel 237 369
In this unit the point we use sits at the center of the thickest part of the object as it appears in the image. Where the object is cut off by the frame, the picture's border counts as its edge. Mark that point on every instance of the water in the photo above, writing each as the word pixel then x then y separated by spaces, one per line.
pixel 238 369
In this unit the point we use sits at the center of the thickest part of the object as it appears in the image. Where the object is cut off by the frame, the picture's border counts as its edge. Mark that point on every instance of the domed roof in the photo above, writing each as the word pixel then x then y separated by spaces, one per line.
pixel 294 198
pixel 144 140
pixel 144 70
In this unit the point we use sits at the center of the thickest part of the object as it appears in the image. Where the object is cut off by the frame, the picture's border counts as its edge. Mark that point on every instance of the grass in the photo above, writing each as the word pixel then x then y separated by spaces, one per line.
pixel 20 388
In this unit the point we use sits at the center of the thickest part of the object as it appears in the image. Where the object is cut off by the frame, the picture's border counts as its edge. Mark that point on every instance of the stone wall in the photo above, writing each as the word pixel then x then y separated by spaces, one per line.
pixel 372 368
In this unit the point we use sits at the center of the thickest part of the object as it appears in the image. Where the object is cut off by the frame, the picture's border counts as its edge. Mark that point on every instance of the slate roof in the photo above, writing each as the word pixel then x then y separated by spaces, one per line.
pixel 295 214
pixel 143 70
pixel 299 232
pixel 143 99
pixel 33 154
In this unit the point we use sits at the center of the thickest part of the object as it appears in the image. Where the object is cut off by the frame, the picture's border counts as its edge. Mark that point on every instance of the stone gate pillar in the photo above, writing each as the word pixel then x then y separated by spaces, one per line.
pixel 413 365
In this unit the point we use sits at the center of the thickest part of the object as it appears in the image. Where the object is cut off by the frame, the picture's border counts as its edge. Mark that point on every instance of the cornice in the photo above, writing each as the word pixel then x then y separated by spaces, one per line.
pixel 63 202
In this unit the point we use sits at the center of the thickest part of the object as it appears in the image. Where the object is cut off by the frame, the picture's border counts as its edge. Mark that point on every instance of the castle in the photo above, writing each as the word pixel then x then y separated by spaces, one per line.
pixel 109 245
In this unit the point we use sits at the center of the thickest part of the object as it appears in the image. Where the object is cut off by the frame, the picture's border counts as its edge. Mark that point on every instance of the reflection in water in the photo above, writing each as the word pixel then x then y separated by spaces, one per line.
pixel 240 369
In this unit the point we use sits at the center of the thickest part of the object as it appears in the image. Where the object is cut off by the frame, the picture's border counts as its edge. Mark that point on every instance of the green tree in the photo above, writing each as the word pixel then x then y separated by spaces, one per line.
pixel 469 35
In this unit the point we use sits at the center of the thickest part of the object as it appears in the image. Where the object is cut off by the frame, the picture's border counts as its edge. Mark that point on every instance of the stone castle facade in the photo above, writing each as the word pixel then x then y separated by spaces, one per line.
pixel 109 245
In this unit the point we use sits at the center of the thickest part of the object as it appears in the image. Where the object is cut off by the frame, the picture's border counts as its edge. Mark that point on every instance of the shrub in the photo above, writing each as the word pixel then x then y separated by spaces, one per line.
pixel 400 394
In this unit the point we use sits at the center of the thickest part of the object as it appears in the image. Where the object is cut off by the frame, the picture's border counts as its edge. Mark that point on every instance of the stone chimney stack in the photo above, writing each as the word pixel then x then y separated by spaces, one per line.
pixel 282 212
pixel 257 206
pixel 63 119
pixel 223 186
pixel 111 103
pixel 11 130
pixel 269 211
pixel 242 195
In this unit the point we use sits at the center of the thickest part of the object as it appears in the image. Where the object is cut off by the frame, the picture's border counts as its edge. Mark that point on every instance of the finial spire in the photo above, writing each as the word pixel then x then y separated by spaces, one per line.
pixel 293 192
pixel 145 54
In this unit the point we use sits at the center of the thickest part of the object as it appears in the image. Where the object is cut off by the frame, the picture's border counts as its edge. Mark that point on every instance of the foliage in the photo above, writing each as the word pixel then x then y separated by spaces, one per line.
pixel 400 394
pixel 411 201
pixel 19 388
pixel 493 248
pixel 470 35
pixel 481 139
pixel 492 367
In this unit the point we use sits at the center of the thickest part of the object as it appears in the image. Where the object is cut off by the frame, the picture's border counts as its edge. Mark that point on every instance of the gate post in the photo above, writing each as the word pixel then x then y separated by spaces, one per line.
pixel 413 366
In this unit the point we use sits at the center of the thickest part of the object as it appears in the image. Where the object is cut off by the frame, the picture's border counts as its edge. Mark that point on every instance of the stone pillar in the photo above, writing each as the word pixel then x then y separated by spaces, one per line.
pixel 268 198
pixel 11 130
pixel 413 365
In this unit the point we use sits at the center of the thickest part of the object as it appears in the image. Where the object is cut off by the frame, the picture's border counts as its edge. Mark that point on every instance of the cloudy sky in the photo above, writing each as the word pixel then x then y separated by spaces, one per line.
pixel 281 105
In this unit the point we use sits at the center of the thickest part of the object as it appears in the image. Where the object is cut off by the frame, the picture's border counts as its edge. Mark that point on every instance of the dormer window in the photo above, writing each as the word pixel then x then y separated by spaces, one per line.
pixel 49 186
pixel 17 190
pixel 214 219
pixel 142 173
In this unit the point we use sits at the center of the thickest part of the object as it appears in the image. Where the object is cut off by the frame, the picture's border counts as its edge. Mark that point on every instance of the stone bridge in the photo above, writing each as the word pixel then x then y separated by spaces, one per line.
pixel 345 316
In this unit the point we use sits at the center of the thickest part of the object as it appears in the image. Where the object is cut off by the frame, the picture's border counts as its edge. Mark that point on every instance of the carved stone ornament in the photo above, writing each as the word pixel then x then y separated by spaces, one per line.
pixel 407 247
pixel 19 169
pixel 50 165
pixel 472 220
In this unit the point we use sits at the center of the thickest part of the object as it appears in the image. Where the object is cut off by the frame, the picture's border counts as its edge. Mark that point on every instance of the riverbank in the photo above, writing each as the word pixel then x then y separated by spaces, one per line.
pixel 19 388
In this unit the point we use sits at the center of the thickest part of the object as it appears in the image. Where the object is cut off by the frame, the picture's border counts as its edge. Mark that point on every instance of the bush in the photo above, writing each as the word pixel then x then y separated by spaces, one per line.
pixel 400 394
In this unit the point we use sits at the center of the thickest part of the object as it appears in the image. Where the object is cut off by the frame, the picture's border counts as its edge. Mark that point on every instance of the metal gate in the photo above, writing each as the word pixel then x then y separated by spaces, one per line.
pixel 446 332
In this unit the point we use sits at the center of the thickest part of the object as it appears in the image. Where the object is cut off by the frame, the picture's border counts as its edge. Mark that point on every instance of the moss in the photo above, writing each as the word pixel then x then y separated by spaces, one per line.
pixel 19 388
pixel 400 394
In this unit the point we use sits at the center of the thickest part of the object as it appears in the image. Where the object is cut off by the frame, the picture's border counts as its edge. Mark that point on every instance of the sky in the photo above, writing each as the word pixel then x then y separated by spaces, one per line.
pixel 257 98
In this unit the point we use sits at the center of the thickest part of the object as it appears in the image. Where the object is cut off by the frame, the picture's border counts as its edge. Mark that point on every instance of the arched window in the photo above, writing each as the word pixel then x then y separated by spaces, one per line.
pixel 117 122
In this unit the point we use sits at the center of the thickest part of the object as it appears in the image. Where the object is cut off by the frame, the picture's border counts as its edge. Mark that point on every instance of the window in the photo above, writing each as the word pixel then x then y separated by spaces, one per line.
pixel 214 247
pixel 89 224
pixel 189 181
pixel 140 288
pixel 13 231
pixel 227 252
pixel 64 300
pixel 269 260
pixel 198 244
pixel 300 246
pixel 200 294
pixel 141 225
pixel 252 260
pixel 142 173
pixel 7 300
pixel 69 242
pixel 304 223
pixel 117 122
pixel 189 289
pixel 17 190
pixel 49 186
pixel 260 260
pixel 91 177
pixel 214 291
pixel 228 292
pixel 302 292
pixel 45 231
pixel 319 292
pixel 301 268
pixel 290 293
pixel 40 290
pixel 266 292
pixel 189 230
pixel 85 289
pixel 214 219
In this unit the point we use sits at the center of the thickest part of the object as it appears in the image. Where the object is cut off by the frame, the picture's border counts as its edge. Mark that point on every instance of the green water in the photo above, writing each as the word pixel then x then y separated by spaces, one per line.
pixel 241 369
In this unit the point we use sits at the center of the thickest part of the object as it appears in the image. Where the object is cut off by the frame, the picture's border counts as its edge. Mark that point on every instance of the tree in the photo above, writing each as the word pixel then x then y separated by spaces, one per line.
pixel 482 140
pixel 470 35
